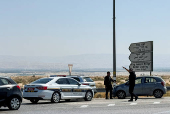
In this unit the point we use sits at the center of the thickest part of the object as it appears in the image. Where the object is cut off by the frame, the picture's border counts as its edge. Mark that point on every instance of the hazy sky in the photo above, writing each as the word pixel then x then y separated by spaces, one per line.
pixel 73 27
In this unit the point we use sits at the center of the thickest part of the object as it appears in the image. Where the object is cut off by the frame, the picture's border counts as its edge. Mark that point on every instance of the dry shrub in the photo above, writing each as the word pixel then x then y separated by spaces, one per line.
pixel 25 79
pixel 99 95
pixel 99 85
pixel 167 94
pixel 97 78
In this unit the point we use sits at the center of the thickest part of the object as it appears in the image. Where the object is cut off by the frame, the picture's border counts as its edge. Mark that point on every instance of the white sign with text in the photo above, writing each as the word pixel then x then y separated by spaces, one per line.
pixel 138 57
pixel 141 47
pixel 141 66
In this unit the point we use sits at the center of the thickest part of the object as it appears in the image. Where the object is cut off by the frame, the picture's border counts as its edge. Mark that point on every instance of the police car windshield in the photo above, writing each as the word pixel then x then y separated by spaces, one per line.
pixel 42 81
pixel 87 79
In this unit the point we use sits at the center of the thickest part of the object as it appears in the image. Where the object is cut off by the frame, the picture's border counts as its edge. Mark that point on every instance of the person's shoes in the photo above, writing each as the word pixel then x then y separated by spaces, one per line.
pixel 130 100
pixel 111 98
pixel 136 98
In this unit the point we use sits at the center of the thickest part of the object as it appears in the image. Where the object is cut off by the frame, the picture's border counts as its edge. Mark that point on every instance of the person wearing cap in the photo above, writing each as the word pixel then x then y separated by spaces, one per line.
pixel 108 85
pixel 132 78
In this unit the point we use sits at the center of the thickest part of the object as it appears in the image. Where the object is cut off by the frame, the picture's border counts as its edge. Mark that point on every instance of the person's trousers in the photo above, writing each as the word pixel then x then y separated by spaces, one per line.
pixel 131 88
pixel 107 90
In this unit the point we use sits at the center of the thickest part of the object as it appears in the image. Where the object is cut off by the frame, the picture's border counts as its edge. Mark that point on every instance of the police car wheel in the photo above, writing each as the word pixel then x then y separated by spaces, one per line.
pixel 34 101
pixel 88 96
pixel 55 97
pixel 121 94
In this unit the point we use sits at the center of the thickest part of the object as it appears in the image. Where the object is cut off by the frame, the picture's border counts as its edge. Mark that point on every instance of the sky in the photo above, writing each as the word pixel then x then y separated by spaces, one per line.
pixel 75 27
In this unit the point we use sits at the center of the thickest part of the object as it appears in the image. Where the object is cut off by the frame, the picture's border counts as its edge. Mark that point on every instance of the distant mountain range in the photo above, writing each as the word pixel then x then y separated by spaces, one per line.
pixel 80 62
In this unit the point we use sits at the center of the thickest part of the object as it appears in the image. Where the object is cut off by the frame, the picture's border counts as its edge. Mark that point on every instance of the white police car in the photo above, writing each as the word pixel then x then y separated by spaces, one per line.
pixel 55 89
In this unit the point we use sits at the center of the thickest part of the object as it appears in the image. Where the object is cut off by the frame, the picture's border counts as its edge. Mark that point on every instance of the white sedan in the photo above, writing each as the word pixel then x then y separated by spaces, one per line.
pixel 55 89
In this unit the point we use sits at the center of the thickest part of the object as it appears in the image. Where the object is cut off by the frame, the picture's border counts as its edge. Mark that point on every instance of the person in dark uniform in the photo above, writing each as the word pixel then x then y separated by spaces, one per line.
pixel 132 78
pixel 108 85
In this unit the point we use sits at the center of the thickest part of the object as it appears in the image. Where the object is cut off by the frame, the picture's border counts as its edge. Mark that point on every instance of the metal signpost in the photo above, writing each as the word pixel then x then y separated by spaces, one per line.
pixel 114 45
pixel 70 68
pixel 141 56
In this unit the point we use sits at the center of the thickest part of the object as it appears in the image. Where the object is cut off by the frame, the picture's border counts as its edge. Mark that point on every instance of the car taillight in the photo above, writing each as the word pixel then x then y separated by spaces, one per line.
pixel 163 84
pixel 42 88
pixel 18 87
pixel 85 84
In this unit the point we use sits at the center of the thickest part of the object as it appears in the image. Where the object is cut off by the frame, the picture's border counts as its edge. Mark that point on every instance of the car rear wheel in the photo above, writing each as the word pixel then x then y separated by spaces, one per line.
pixel 88 96
pixel 14 103
pixel 157 93
pixel 34 101
pixel 121 94
pixel 55 97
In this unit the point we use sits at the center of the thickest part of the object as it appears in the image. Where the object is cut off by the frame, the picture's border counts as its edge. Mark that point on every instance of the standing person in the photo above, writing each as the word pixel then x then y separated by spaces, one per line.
pixel 132 78
pixel 108 85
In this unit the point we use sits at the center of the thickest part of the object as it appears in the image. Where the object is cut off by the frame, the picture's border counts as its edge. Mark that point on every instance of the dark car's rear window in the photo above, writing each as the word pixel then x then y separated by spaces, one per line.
pixel 42 81
pixel 4 81
pixel 87 79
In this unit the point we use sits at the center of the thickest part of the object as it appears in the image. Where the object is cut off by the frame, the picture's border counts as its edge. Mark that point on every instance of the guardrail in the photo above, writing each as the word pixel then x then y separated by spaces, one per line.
pixel 103 89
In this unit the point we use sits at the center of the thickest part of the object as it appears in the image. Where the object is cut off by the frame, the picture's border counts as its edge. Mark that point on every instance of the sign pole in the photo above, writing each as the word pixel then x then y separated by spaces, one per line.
pixel 70 68
pixel 114 45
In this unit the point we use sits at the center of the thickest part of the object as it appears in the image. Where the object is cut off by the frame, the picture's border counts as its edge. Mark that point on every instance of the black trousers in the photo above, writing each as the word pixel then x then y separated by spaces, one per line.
pixel 107 90
pixel 131 88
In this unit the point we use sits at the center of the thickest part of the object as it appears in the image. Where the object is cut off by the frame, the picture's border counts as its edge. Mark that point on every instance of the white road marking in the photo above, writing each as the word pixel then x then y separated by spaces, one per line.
pixel 133 103
pixel 156 103
pixel 84 106
pixel 111 105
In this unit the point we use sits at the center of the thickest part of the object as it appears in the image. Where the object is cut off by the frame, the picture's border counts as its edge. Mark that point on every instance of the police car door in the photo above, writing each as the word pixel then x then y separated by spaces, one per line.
pixel 66 89
pixel 77 88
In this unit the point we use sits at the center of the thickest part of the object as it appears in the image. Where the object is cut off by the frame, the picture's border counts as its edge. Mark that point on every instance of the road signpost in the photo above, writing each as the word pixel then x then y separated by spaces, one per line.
pixel 141 66
pixel 70 68
pixel 141 56
pixel 141 47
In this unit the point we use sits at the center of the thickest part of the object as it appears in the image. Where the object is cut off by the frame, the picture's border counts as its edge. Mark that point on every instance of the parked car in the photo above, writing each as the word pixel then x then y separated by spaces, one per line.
pixel 144 86
pixel 10 93
pixel 55 89
pixel 84 80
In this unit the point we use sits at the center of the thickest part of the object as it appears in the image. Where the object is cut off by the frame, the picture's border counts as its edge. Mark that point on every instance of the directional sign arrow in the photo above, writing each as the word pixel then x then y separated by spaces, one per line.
pixel 141 66
pixel 141 47
pixel 137 57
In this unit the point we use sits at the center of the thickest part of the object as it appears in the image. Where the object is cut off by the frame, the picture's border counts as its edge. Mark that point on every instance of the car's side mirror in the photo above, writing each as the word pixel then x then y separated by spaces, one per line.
pixel 79 84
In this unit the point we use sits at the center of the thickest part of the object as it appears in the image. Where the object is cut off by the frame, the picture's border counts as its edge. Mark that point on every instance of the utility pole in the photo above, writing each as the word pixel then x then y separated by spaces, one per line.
pixel 114 45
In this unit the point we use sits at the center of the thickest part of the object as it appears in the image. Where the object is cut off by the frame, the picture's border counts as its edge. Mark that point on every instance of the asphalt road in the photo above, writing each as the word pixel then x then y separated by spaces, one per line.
pixel 147 105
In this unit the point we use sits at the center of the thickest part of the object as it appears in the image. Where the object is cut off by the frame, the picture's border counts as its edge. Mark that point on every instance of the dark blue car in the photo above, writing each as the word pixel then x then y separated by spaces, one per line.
pixel 144 86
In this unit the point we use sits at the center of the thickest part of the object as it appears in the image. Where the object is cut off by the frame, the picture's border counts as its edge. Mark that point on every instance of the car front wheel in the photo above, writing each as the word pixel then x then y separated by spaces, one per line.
pixel 121 94
pixel 88 96
pixel 157 93
pixel 55 97
pixel 14 103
